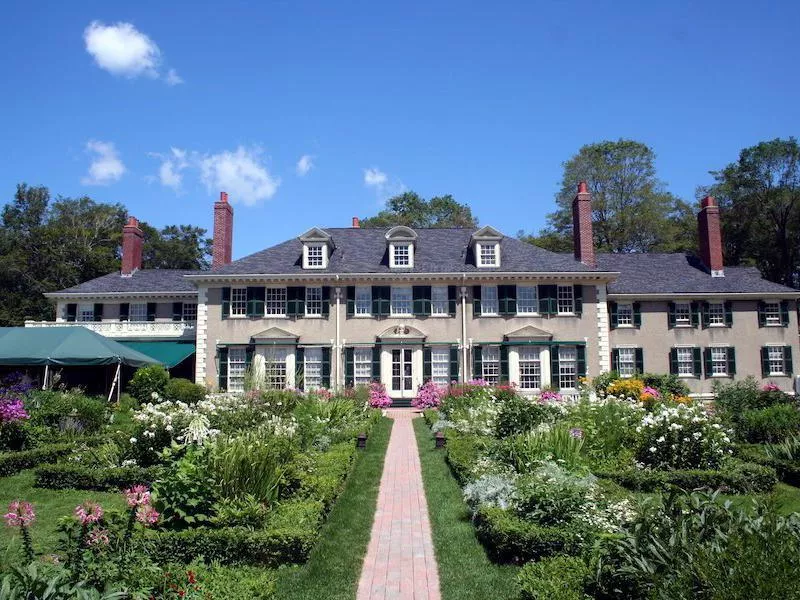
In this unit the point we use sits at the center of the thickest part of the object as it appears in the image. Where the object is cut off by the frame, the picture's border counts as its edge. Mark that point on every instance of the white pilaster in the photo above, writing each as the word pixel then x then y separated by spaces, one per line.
pixel 201 348
pixel 603 331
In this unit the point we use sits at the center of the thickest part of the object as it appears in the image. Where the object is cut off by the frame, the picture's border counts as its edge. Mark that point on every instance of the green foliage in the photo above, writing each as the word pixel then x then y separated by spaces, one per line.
pixel 552 496
pixel 186 493
pixel 14 462
pixel 77 476
pixel 411 210
pixel 734 398
pixel 320 475
pixel 668 384
pixel 36 583
pixel 175 247
pixel 788 449
pixel 601 382
pixel 183 390
pixel 772 424
pixel 234 583
pixel 147 381
pixel 68 412
pixel 553 578
pixel 520 415
pixel 609 430
pixel 524 452
pixel 22 435
pixel 463 453
pixel 245 512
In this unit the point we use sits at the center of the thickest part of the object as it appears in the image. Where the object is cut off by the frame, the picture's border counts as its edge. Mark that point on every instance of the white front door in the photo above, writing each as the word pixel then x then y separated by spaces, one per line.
pixel 402 368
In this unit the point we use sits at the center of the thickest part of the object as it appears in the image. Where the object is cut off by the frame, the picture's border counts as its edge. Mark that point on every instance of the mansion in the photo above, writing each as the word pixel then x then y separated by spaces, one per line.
pixel 341 307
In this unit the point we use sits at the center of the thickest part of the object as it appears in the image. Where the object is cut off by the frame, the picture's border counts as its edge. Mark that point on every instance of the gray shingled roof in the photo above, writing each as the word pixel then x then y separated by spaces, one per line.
pixel 146 280
pixel 436 251
pixel 680 274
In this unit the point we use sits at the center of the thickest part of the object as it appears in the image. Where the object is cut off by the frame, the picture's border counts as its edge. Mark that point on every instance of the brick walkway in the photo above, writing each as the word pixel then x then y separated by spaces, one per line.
pixel 400 562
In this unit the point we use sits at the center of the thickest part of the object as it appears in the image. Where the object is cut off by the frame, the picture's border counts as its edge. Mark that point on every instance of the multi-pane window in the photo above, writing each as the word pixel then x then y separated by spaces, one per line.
pixel 363 300
pixel 402 301
pixel 530 368
pixel 85 312
pixel 315 256
pixel 716 313
pixel 488 255
pixel 362 366
pixel 137 311
pixel 625 315
pixel 566 299
pixel 489 302
pixel 719 361
pixel 236 368
pixel 490 364
pixel 275 368
pixel 775 358
pixel 312 368
pixel 772 313
pixel 440 366
pixel 238 301
pixel 402 255
pixel 189 311
pixel 527 299
pixel 439 300
pixel 626 362
pixel 685 358
pixel 313 301
pixel 683 313
pixel 275 301
pixel 567 367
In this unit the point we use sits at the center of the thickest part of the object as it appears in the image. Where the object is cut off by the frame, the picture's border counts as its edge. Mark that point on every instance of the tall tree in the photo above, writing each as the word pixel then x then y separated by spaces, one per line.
pixel 410 209
pixel 631 210
pixel 175 247
pixel 759 198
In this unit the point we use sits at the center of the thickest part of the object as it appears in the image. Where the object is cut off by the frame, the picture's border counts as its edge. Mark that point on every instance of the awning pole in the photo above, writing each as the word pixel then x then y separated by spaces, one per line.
pixel 114 383
pixel 46 372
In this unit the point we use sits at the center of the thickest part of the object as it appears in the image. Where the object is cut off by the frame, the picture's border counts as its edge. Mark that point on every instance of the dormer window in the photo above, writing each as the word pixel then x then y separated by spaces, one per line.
pixel 315 256
pixel 488 255
pixel 401 255
pixel 486 246
pixel 401 241
pixel 317 247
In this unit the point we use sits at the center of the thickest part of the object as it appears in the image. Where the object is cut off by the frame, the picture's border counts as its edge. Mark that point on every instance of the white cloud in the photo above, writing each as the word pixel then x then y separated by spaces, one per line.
pixel 304 165
pixel 170 173
pixel 375 178
pixel 106 166
pixel 241 173
pixel 123 50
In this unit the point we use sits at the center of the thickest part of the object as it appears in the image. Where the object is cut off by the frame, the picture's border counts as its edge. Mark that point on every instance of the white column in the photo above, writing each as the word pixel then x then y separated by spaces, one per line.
pixel 201 340
pixel 603 330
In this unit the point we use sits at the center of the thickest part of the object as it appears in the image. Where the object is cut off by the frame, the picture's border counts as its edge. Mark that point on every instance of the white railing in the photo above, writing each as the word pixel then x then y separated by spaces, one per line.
pixel 123 329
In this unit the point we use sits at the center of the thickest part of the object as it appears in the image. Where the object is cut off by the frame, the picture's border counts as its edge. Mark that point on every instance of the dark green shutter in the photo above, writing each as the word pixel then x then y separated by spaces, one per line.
pixel 731 361
pixel 455 362
pixel 300 368
pixel 349 368
pixel 504 371
pixel 255 301
pixel 694 307
pixel 673 361
pixel 177 311
pixel 577 294
pixel 72 312
pixel 381 300
pixel 615 360
pixel 421 295
pixel 97 312
pixel 613 316
pixel 548 299
pixel 507 297
pixel 762 313
pixel 638 355
pixel 248 358
pixel 707 362
pixel 764 361
pixel 376 363
pixel 637 314
pixel 427 366
pixel 452 292
pixel 326 301
pixel 671 315
pixel 351 300
pixel 785 313
pixel 787 360
pixel 697 362
pixel 226 302
pixel 477 362
pixel 580 352
pixel 476 300
pixel 728 308
pixel 124 311
pixel 705 310
pixel 222 378
pixel 296 301
pixel 554 370
pixel 326 368
pixel 151 311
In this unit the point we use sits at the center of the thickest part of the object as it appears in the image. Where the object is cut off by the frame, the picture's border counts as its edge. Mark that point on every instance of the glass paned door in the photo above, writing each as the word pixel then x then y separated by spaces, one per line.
pixel 402 372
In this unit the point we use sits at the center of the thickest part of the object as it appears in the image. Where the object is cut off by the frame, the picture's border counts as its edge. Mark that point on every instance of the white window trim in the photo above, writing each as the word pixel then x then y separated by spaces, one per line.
pixel 628 347
pixel 687 375
pixel 362 315
pixel 535 311
pixel 321 301
pixel 394 289
pixel 183 312
pixel 230 307
pixel 82 309
pixel 315 351
pixel 479 259
pixel 367 352
pixel 324 247
pixel 624 325
pixel 566 313
pixel 446 301
pixel 130 312
pixel 515 362
pixel 782 372
pixel 720 304
pixel 243 362
pixel 437 353
pixel 779 322
pixel 687 323
pixel 725 347
pixel 575 361
pixel 269 315
pixel 496 312
pixel 392 248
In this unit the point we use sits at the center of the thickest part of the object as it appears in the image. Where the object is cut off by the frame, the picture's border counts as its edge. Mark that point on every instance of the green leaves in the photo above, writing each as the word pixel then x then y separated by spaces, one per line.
pixel 412 210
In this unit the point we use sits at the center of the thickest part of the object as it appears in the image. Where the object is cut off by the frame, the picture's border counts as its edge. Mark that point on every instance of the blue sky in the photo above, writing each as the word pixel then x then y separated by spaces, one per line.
pixel 484 101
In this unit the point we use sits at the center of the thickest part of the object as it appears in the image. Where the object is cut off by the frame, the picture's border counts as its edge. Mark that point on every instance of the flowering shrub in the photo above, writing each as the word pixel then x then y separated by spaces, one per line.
pixel 490 490
pixel 12 393
pixel 21 514
pixel 378 398
pixel 681 437
pixel 549 396
pixel 428 396
pixel 626 388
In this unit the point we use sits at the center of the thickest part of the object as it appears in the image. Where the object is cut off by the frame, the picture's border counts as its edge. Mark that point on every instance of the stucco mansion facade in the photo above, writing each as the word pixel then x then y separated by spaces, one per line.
pixel 339 307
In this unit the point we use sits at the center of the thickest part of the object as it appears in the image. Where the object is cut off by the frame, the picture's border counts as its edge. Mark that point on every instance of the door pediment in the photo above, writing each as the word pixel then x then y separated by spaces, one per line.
pixel 529 332
pixel 401 333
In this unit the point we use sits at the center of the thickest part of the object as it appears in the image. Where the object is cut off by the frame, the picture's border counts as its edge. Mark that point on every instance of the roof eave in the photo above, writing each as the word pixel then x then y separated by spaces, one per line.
pixel 700 295
pixel 463 275
pixel 71 295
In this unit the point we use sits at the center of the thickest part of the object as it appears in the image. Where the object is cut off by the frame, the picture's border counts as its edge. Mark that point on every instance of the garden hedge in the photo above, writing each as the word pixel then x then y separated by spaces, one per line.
pixel 736 477
pixel 788 470
pixel 463 453
pixel 553 578
pixel 431 416
pixel 321 476
pixel 14 462
pixel 64 476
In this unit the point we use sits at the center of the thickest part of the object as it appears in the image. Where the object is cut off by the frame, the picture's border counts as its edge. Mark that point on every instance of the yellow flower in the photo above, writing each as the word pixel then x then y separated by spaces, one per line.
pixel 626 388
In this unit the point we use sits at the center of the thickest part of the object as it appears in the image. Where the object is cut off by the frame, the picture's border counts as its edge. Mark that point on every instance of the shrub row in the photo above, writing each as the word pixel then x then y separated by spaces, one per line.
pixel 736 476
pixel 463 453
pixel 64 476
pixel 14 462
pixel 320 475
pixel 554 578
pixel 431 415
pixel 788 471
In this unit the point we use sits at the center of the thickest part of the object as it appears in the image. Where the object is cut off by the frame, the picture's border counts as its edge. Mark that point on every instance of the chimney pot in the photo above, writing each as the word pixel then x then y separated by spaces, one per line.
pixel 710 234
pixel 223 196
pixel 583 188
pixel 356 222
pixel 132 242
pixel 222 246
pixel 582 236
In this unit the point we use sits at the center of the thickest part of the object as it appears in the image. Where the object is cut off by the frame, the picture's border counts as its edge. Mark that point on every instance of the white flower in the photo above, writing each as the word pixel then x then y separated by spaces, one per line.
pixel 154 395
pixel 652 449
pixel 133 440
pixel 661 440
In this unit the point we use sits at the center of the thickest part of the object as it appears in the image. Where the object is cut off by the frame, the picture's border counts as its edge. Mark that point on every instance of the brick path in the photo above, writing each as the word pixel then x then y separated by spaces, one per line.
pixel 400 562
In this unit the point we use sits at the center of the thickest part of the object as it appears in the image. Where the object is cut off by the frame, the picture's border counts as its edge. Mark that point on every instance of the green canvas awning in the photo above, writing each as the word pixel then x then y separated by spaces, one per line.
pixel 168 354
pixel 65 346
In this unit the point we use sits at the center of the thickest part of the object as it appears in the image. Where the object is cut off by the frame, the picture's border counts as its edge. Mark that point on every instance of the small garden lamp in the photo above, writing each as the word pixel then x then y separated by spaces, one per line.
pixel 441 441
pixel 361 442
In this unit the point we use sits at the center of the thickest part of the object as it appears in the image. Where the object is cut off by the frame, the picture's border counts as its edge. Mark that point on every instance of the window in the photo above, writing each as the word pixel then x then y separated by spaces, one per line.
pixel 685 361
pixel 566 299
pixel 137 311
pixel 626 362
pixel 315 256
pixel 86 312
pixel 312 369
pixel 439 300
pixel 488 255
pixel 236 368
pixel 190 311
pixel 719 361
pixel 775 359
pixel 363 300
pixel 402 301
pixel 772 313
pixel 490 364
pixel 567 367
pixel 275 303
pixel 489 302
pixel 440 366
pixel 625 315
pixel 401 255
pixel 683 313
pixel 362 366
pixel 530 368
pixel 527 299
pixel 313 301
pixel 716 314
pixel 238 302
pixel 275 368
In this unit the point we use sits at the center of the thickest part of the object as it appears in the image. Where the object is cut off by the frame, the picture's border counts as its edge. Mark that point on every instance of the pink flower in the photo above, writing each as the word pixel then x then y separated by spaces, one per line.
pixel 147 515
pixel 89 512
pixel 576 432
pixel 138 495
pixel 652 392
pixel 99 537
pixel 428 396
pixel 20 514
pixel 771 387
pixel 378 398
pixel 549 396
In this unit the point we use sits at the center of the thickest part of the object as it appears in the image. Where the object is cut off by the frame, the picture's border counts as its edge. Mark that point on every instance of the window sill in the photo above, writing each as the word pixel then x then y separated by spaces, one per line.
pixel 361 316
pixel 313 316
pixel 401 316
pixel 683 326
pixel 717 326
pixel 626 326
pixel 491 315
pixel 528 314
pixel 774 325
pixel 441 316
pixel 566 314
pixel 779 375
pixel 689 376
pixel 720 376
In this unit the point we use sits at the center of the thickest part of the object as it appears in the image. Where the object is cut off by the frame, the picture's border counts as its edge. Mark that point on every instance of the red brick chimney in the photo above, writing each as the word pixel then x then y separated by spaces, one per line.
pixel 356 223
pixel 132 241
pixel 223 232
pixel 710 236
pixel 582 240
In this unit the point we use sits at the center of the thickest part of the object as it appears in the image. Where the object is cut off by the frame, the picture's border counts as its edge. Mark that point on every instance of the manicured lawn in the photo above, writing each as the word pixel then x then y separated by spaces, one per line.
pixel 334 567
pixel 465 572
